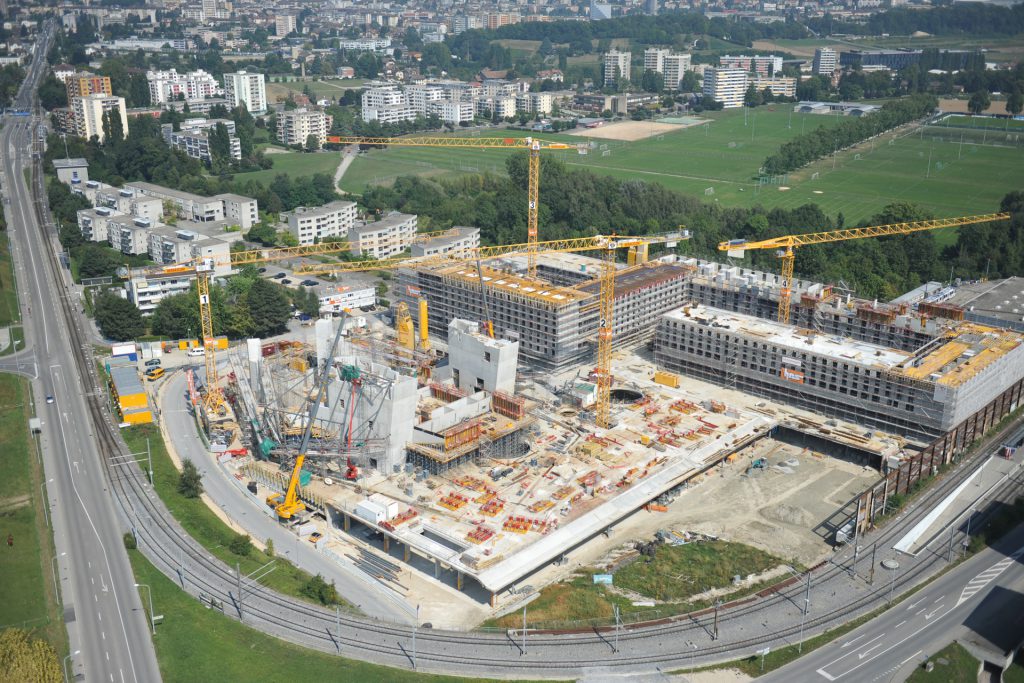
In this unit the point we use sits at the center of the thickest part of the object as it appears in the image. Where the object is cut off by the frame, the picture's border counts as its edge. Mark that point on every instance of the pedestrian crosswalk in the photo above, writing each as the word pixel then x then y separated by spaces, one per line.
pixel 975 585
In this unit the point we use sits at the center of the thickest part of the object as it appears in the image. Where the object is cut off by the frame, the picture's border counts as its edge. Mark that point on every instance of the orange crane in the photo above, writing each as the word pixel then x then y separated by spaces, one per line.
pixel 533 145
pixel 786 244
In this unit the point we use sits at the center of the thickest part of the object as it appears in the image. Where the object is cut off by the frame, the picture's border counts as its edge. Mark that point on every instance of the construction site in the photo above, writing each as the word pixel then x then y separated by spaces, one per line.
pixel 529 409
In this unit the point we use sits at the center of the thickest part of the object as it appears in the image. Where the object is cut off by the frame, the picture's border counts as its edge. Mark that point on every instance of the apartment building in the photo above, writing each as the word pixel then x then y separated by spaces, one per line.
pixel 728 86
pixel 239 210
pixel 615 65
pixel 294 127
pixel 502 106
pixel 536 102
pixel 458 239
pixel 89 111
pixel 246 88
pixel 194 138
pixel 452 112
pixel 826 61
pixel 675 67
pixel 169 244
pixel 387 105
pixel 762 65
pixel 147 290
pixel 313 224
pixel 284 24
pixel 167 86
pixel 385 238
pixel 922 393
pixel 92 223
pixel 83 83
pixel 780 86
pixel 341 298
pixel 129 235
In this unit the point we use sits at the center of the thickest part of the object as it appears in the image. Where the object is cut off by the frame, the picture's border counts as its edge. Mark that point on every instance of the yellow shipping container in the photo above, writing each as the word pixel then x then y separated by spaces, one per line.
pixel 667 379
pixel 220 343
pixel 139 417
pixel 130 401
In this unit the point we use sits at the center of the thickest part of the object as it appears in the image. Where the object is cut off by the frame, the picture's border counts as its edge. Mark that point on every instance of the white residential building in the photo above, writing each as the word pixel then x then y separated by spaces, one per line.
pixel 452 112
pixel 536 102
pixel 313 224
pixel 387 105
pixel 167 86
pixel 295 126
pixel 676 66
pixel 130 235
pixel 781 86
pixel 503 106
pixel 193 138
pixel 284 24
pixel 458 239
pixel 147 290
pixel 238 210
pixel 616 65
pixel 246 88
pixel 728 86
pixel 93 222
pixel 385 238
pixel 654 59
pixel 826 60
pixel 89 111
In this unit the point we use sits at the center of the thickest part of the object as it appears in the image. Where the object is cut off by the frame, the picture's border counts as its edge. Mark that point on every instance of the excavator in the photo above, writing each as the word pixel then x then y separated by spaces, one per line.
pixel 289 504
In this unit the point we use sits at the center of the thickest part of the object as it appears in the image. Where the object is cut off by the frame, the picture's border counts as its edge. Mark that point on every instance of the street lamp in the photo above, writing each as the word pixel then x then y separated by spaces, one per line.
pixel 803 612
pixel 893 566
pixel 152 617
pixel 73 654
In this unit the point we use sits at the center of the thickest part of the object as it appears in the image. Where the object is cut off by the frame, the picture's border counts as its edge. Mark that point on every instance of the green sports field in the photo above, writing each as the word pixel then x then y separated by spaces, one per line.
pixel 719 162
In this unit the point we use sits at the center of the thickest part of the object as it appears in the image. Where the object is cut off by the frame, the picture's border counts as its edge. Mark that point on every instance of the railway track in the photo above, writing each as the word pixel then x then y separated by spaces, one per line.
pixel 641 646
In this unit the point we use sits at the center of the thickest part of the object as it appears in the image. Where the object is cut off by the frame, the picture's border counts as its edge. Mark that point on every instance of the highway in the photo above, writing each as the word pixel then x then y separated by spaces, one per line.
pixel 96 500
pixel 981 597
pixel 102 608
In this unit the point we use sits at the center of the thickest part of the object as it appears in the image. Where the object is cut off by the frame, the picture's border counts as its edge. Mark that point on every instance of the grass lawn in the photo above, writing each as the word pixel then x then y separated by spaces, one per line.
pixel 201 523
pixel 983 122
pixel 725 155
pixel 676 574
pixel 17 341
pixel 29 600
pixel 197 644
pixel 959 667
pixel 8 295
pixel 1015 672
pixel 331 88
pixel 296 165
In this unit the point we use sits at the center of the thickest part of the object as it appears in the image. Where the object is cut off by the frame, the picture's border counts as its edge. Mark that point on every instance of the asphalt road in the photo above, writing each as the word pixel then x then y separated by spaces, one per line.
pixel 980 599
pixel 103 611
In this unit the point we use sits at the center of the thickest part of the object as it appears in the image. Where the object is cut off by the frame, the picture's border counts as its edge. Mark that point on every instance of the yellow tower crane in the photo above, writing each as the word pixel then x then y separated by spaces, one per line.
pixel 786 244
pixel 533 145
pixel 607 245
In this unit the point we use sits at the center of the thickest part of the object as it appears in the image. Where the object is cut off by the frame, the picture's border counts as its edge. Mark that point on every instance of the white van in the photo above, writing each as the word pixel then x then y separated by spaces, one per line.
pixel 197 351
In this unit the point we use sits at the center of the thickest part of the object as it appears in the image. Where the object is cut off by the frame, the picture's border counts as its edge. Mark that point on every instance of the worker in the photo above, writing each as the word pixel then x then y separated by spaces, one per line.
pixel 10 540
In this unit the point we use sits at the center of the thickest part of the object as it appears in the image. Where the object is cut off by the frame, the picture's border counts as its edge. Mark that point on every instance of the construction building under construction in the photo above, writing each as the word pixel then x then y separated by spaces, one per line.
pixel 555 325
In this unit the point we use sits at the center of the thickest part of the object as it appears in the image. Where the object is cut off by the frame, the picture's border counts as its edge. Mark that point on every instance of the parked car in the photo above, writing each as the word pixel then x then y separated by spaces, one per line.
pixel 286 281
pixel 277 276
pixel 310 283
pixel 154 363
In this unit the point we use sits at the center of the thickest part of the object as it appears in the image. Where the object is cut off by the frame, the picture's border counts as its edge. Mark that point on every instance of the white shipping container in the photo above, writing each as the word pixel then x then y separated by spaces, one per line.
pixel 371 511
pixel 390 506
pixel 122 350
pixel 305 529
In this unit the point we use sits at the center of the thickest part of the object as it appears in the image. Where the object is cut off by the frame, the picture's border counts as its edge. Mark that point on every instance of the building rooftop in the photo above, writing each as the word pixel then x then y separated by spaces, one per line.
pixel 637 277
pixel 392 219
pixel 793 338
pixel 533 288
pixel 457 233
pixel 70 163
pixel 998 299
pixel 963 352
pixel 330 207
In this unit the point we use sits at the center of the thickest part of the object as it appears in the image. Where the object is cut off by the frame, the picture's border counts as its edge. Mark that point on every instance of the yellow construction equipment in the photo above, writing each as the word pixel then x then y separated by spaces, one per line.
pixel 403 327
pixel 787 243
pixel 533 145
pixel 424 324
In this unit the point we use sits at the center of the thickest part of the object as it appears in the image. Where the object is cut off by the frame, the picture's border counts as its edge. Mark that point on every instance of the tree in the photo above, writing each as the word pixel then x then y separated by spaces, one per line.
pixel 321 591
pixel 979 102
pixel 268 307
pixel 117 318
pixel 190 483
pixel 176 317
pixel 752 98
pixel 264 233
pixel 546 48
pixel 690 82
pixel 25 658
pixel 1015 103
pixel 220 143
pixel 52 93
pixel 96 261
pixel 113 127
pixel 312 143
pixel 652 81
pixel 240 545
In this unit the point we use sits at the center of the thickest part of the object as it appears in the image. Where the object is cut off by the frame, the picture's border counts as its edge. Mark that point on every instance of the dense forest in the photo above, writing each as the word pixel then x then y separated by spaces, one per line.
pixel 962 18
pixel 823 141
pixel 579 202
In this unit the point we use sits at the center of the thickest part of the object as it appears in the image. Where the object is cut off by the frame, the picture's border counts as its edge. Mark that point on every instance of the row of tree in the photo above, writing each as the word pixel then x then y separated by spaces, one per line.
pixel 825 140
pixel 579 202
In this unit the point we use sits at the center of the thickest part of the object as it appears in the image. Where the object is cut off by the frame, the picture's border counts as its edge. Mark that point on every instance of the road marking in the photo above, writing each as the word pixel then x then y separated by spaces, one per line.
pixel 825 674
pixel 850 653
pixel 901 623
pixel 107 653
pixel 104 634
pixel 932 613
pixel 914 604
pixel 978 583
pixel 864 654
pixel 851 642
pixel 941 597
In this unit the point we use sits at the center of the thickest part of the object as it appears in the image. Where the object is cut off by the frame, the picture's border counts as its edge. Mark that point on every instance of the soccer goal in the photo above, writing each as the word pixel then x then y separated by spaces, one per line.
pixel 709 191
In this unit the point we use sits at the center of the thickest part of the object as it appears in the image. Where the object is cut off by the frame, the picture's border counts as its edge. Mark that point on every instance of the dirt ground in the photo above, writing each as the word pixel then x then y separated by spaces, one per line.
pixel 960 107
pixel 775 509
pixel 628 131
pixel 795 50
